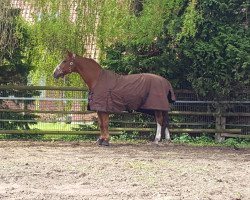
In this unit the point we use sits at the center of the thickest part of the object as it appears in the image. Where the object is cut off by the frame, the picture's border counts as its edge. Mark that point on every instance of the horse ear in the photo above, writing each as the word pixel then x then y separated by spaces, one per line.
pixel 70 55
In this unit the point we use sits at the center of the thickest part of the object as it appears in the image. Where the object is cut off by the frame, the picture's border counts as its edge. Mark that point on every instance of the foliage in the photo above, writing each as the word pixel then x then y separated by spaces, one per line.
pixel 156 52
pixel 196 44
pixel 85 127
pixel 8 29
pixel 186 138
pixel 40 137
pixel 119 23
pixel 203 45
pixel 59 25
pixel 132 136
pixel 14 63
pixel 33 137
pixel 139 28
pixel 135 137
pixel 208 140
pixel 69 138
pixel 219 54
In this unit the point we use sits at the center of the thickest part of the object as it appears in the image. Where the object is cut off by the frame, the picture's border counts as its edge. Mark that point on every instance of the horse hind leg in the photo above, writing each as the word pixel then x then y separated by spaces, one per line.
pixel 158 133
pixel 167 134
pixel 162 121
pixel 165 125
pixel 159 121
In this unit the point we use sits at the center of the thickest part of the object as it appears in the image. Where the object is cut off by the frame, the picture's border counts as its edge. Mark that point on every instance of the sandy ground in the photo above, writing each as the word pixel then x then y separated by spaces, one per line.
pixel 70 171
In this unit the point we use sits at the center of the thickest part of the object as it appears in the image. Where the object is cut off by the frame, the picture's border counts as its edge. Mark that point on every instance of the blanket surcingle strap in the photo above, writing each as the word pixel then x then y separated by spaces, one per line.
pixel 145 93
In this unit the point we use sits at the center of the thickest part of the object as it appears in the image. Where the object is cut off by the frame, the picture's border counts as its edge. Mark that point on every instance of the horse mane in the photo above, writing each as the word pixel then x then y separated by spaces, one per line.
pixel 91 62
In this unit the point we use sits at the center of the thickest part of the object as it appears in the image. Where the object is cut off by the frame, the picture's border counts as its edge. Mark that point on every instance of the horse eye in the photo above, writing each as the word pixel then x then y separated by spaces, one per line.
pixel 64 61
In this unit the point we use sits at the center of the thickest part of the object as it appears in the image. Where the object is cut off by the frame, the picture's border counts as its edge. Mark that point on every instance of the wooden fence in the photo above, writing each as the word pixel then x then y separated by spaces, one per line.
pixel 62 110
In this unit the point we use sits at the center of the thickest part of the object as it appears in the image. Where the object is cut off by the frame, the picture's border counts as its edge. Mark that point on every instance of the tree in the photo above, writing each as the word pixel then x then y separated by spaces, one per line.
pixel 14 63
pixel 149 42
pixel 204 45
pixel 219 54
pixel 60 25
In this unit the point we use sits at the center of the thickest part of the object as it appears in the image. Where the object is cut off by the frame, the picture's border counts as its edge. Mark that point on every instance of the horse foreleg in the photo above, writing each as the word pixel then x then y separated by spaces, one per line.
pixel 103 120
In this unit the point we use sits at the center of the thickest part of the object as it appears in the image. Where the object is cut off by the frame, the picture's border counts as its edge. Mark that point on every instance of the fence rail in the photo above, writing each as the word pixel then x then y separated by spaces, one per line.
pixel 62 110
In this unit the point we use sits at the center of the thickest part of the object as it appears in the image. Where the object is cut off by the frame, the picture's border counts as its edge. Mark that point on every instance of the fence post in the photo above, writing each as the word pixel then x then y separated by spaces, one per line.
pixel 220 123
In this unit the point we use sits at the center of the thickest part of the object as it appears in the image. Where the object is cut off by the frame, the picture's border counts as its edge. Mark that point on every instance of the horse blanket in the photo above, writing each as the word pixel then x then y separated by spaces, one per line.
pixel 114 93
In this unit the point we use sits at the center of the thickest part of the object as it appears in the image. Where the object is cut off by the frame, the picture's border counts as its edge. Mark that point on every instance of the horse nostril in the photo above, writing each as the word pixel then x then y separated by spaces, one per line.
pixel 55 75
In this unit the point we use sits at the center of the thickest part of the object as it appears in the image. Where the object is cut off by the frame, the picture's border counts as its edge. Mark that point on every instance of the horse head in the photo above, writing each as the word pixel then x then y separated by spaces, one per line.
pixel 67 66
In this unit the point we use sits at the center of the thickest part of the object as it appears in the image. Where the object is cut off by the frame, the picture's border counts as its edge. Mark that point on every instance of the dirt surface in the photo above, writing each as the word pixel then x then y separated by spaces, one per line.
pixel 69 171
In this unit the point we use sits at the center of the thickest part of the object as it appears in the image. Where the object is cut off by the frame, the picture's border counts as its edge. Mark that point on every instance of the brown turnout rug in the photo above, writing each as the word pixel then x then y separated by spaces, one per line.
pixel 115 93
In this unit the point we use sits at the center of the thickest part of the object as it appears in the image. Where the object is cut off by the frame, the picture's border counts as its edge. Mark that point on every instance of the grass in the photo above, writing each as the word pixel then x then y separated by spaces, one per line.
pixel 205 140
pixel 132 137
pixel 53 126
pixel 183 139
pixel 59 126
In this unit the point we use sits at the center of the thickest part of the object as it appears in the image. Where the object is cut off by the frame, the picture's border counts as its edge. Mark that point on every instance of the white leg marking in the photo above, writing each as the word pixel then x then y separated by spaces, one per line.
pixel 57 67
pixel 167 134
pixel 158 133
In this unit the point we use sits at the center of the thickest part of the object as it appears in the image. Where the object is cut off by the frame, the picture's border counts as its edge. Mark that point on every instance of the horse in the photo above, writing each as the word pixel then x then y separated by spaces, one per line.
pixel 110 93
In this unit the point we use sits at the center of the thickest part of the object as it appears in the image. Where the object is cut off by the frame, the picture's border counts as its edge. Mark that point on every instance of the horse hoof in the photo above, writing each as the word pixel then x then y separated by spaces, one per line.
pixel 102 142
pixel 99 141
pixel 166 141
pixel 105 143
pixel 156 142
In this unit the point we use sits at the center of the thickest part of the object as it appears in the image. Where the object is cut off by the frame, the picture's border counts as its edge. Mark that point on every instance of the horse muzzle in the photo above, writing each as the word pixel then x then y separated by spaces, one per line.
pixel 57 74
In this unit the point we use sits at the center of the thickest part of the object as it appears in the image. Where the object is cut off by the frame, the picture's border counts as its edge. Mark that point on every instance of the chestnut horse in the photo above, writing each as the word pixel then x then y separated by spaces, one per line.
pixel 90 71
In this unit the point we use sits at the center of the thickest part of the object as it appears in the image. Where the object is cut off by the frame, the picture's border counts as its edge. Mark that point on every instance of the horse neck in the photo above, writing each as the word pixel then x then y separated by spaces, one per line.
pixel 89 70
